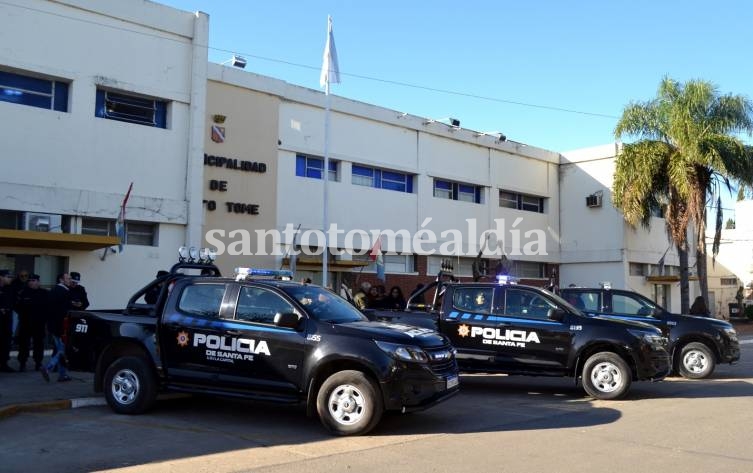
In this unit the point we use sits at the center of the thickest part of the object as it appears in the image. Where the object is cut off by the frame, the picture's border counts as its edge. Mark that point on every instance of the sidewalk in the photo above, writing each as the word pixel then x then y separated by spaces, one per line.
pixel 28 391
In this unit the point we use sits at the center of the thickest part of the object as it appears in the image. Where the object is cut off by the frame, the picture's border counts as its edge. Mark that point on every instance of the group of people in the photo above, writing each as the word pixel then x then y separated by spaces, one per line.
pixel 377 297
pixel 40 312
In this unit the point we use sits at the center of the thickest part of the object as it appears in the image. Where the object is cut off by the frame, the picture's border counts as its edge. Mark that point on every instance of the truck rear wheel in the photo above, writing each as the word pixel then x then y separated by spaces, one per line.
pixel 606 376
pixel 130 385
pixel 696 361
pixel 349 403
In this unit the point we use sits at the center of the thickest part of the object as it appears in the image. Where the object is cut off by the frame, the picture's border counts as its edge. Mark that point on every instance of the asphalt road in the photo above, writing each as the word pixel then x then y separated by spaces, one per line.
pixel 496 424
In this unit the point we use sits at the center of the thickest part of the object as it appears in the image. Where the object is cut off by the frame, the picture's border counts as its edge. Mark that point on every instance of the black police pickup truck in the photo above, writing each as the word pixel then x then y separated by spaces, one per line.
pixel 262 339
pixel 696 344
pixel 516 329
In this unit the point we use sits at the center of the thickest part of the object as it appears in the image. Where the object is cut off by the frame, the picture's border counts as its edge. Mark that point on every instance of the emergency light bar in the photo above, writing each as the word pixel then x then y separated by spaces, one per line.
pixel 505 279
pixel 243 273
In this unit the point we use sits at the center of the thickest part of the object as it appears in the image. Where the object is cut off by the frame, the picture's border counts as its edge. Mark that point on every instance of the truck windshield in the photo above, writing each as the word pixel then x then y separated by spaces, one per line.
pixel 321 304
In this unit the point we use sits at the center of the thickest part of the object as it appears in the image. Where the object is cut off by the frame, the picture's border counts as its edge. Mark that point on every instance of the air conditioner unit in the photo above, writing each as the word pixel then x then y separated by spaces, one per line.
pixel 39 222
pixel 593 200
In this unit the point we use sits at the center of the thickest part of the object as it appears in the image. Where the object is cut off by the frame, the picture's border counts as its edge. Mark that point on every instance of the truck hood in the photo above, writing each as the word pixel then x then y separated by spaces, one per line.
pixel 393 333
pixel 627 324
pixel 698 320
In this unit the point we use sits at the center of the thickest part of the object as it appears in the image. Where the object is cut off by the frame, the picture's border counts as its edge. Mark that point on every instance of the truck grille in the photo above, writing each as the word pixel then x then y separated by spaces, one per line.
pixel 441 360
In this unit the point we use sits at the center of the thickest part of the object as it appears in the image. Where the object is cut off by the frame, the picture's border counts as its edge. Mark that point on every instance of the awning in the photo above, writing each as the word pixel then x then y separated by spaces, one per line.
pixel 670 278
pixel 60 241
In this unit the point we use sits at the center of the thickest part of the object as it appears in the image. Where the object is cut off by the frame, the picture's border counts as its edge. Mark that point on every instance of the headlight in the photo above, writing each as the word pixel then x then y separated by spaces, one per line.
pixel 731 333
pixel 403 352
pixel 649 337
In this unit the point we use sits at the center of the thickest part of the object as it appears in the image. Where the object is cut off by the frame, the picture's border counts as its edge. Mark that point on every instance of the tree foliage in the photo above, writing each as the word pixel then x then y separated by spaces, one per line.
pixel 686 152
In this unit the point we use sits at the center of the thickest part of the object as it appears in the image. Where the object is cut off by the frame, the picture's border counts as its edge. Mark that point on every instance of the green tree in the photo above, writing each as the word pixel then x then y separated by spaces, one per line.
pixel 730 225
pixel 686 152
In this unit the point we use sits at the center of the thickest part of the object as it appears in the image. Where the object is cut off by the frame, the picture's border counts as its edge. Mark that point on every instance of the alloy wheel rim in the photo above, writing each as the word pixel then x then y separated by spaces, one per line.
pixel 606 377
pixel 695 361
pixel 347 404
pixel 125 386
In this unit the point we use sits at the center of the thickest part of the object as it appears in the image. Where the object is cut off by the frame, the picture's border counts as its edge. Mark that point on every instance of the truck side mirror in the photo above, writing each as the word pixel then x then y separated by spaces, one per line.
pixel 287 320
pixel 556 314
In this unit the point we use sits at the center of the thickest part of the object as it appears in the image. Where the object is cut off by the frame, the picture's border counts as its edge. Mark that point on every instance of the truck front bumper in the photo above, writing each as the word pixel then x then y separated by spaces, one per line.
pixel 414 387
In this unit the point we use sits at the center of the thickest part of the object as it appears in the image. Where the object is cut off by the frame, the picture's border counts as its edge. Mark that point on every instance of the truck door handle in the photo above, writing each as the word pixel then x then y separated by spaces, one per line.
pixel 233 332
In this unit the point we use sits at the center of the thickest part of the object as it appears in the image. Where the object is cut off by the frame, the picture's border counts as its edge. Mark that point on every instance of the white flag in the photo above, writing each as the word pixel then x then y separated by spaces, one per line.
pixel 330 70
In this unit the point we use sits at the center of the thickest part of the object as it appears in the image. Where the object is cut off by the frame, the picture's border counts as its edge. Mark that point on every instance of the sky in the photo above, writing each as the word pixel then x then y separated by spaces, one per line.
pixel 550 74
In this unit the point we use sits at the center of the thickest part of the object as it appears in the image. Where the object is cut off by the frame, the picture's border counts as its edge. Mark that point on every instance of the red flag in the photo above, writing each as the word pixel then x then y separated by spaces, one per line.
pixel 376 250
pixel 376 255
pixel 120 224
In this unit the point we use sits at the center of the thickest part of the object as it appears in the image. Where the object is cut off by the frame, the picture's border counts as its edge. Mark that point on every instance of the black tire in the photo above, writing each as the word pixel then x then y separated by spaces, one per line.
pixel 696 361
pixel 606 376
pixel 349 403
pixel 130 385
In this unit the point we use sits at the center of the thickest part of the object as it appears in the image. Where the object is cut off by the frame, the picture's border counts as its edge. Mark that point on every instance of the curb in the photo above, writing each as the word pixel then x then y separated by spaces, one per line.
pixel 13 409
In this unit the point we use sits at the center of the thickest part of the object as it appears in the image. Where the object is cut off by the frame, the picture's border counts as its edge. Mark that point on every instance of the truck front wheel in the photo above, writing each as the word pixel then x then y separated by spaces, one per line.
pixel 606 376
pixel 696 361
pixel 348 403
pixel 130 385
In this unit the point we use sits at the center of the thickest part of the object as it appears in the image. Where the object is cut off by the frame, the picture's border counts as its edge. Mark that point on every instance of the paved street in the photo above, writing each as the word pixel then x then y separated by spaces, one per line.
pixel 496 424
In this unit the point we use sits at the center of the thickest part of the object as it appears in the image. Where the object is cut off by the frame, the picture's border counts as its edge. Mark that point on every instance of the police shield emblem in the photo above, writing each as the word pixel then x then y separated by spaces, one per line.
pixel 218 134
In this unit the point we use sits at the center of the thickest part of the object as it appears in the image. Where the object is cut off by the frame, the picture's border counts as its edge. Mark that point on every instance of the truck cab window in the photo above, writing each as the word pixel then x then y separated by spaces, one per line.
pixel 521 302
pixel 260 305
pixel 202 299
pixel 473 299
pixel 624 304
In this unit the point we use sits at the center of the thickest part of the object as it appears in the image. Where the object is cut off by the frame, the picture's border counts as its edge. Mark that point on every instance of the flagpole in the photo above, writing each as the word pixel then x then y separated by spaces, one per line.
pixel 330 73
pixel 325 178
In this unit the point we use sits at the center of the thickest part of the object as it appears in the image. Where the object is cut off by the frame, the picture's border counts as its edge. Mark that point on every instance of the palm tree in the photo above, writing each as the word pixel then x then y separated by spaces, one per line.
pixel 687 151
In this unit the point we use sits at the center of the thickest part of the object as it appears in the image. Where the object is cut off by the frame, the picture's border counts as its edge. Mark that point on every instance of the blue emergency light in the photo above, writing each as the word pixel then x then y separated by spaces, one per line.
pixel 505 279
pixel 243 273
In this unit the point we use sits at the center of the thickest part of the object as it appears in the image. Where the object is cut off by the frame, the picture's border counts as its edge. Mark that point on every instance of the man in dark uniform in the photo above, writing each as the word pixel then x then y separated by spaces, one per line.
pixel 32 311
pixel 7 303
pixel 79 301
pixel 60 304
pixel 18 284
pixel 152 295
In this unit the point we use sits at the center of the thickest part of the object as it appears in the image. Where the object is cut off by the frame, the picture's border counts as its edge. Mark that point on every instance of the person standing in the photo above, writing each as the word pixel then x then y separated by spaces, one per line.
pixel 32 308
pixel 18 285
pixel 395 299
pixel 7 303
pixel 60 304
pixel 79 300
pixel 361 299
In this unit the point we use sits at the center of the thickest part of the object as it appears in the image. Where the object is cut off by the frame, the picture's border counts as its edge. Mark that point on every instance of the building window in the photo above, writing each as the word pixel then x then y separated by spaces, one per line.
pixel 382 179
pixel 513 200
pixel 141 233
pixel 457 191
pixel 460 266
pixel 33 91
pixel 307 166
pixel 131 108
pixel 136 233
pixel 98 226
pixel 528 269
pixel 729 281
pixel 637 269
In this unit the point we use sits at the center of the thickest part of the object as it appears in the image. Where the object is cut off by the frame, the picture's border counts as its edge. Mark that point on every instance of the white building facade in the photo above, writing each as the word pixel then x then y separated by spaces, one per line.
pixel 391 173
pixel 102 95
pixel 597 246
pixel 733 268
